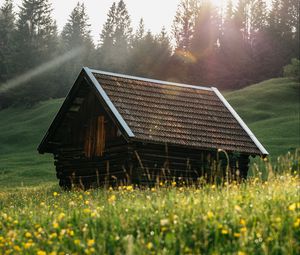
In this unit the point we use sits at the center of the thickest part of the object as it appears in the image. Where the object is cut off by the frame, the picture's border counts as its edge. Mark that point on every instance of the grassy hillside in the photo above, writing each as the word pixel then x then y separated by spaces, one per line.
pixel 271 109
pixel 21 130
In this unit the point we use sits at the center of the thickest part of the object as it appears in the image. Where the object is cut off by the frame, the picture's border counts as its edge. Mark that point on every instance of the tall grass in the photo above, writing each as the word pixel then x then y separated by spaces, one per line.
pixel 254 217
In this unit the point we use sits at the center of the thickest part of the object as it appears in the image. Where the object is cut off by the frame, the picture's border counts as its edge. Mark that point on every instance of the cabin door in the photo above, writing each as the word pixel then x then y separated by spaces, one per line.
pixel 94 144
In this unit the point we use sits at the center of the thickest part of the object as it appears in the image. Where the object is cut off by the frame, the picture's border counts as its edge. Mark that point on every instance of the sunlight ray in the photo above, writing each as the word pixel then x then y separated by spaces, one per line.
pixel 21 79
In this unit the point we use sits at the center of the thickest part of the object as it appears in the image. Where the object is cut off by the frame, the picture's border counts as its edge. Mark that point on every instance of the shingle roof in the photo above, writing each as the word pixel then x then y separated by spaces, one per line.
pixel 179 114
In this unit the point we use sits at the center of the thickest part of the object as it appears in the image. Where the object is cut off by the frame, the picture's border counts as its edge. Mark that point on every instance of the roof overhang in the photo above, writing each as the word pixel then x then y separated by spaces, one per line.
pixel 263 151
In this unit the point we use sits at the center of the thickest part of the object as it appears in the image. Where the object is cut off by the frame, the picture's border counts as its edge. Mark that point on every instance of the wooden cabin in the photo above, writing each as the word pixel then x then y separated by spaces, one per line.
pixel 118 129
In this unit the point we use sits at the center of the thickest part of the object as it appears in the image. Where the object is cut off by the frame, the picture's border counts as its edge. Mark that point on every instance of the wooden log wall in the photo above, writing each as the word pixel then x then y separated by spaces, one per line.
pixel 73 168
pixel 186 166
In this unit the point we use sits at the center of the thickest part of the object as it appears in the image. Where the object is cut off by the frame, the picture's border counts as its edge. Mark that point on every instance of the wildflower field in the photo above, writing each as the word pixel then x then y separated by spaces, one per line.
pixel 254 217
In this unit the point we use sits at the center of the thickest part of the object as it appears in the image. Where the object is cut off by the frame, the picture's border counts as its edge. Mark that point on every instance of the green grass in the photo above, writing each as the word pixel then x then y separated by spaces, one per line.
pixel 250 218
pixel 21 130
pixel 270 108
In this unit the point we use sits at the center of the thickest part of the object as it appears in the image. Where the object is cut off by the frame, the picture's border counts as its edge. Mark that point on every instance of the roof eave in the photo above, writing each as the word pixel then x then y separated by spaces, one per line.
pixel 261 148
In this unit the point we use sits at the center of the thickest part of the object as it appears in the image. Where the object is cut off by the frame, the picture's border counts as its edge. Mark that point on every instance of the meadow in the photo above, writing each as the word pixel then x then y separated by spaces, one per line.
pixel 258 216
pixel 249 218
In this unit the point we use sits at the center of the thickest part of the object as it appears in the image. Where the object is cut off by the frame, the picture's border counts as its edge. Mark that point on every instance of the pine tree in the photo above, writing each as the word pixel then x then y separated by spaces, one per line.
pixel 259 17
pixel 206 33
pixel 36 44
pixel 75 36
pixel 76 31
pixel 36 35
pixel 7 28
pixel 283 26
pixel 140 32
pixel 115 38
pixel 184 24
pixel 150 55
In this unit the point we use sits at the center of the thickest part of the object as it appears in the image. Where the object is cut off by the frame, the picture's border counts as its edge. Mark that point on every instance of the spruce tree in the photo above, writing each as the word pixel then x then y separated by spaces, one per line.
pixel 150 55
pixel 75 36
pixel 36 44
pixel 36 35
pixel 184 24
pixel 115 38
pixel 76 31
pixel 140 32
pixel 7 43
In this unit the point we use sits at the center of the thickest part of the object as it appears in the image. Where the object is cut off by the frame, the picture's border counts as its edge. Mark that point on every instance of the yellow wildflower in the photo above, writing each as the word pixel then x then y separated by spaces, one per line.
pixel 294 206
pixel 129 188
pixel 87 210
pixel 17 248
pixel 297 223
pixel 28 234
pixel 90 242
pixel 77 241
pixel 40 252
pixel 28 245
pixel 224 231
pixel 210 215
pixel 55 224
pixel 242 222
pixel 174 183
pixel 236 234
pixel 55 194
pixel 112 199
pixel 87 202
pixel 241 253
pixel 149 246
pixel 53 235
pixel 61 216
pixel 243 230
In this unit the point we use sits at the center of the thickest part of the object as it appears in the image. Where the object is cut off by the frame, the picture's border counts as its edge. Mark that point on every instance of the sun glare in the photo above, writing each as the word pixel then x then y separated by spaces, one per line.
pixel 218 3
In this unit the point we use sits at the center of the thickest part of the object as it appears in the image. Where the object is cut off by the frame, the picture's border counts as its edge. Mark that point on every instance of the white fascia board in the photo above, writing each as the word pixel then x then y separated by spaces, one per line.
pixel 109 102
pixel 151 80
pixel 241 122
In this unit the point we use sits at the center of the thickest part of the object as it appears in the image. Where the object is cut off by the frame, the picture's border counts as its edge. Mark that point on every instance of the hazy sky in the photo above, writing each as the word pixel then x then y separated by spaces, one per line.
pixel 156 13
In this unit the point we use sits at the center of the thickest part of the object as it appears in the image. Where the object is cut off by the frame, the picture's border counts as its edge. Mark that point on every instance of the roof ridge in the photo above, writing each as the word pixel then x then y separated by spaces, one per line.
pixel 131 77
